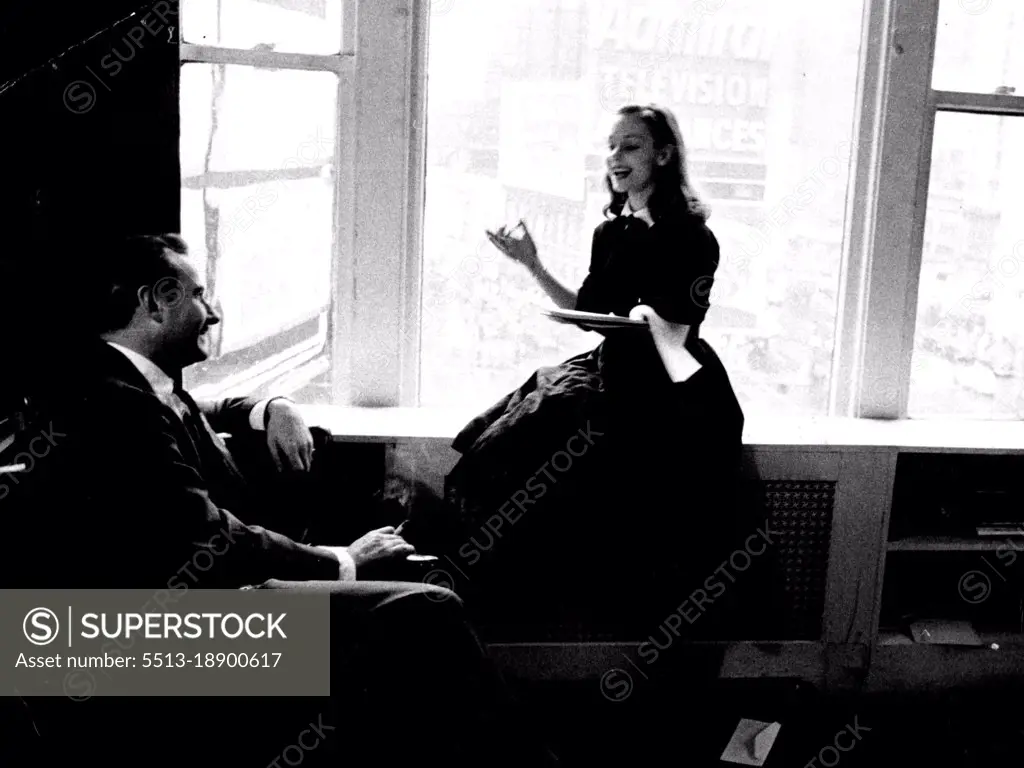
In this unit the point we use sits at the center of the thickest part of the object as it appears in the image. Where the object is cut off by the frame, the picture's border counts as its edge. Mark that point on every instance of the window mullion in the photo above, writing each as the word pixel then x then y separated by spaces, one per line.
pixel 916 255
pixel 343 276
pixel 412 272
pixel 372 334
pixel 349 20
pixel 893 264
pixel 847 359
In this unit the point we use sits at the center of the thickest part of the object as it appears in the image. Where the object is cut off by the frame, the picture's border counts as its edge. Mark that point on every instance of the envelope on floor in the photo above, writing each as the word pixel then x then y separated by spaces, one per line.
pixel 751 742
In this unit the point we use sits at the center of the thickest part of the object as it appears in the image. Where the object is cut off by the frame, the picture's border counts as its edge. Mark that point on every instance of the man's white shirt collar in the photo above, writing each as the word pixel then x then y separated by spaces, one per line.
pixel 161 383
pixel 643 214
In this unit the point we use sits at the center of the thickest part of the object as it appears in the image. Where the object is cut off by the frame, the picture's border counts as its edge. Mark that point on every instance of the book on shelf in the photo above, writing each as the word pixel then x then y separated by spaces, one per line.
pixel 1001 529
pixel 944 632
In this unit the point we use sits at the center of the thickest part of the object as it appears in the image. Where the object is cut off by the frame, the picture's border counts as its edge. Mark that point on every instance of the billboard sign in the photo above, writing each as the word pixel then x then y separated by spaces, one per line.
pixel 709 68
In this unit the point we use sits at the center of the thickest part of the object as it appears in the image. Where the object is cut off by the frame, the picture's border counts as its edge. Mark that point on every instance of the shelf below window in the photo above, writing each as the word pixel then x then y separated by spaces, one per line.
pixel 900 664
pixel 1004 640
pixel 955 544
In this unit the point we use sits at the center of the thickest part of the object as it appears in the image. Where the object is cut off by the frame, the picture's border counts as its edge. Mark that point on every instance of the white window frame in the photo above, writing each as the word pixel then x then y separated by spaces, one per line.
pixel 382 144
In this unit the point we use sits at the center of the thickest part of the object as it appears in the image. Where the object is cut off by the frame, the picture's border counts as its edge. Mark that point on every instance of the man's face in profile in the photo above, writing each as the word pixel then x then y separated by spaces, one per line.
pixel 185 337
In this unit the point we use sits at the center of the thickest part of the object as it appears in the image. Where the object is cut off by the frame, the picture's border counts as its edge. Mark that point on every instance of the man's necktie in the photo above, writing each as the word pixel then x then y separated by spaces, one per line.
pixel 181 407
pixel 211 447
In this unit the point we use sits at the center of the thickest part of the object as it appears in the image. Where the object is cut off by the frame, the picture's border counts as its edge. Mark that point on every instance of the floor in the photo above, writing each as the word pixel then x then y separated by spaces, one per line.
pixel 672 726
pixel 673 720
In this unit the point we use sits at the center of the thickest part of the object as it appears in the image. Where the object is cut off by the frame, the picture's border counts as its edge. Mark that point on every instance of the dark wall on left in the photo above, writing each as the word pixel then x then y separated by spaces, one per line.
pixel 89 120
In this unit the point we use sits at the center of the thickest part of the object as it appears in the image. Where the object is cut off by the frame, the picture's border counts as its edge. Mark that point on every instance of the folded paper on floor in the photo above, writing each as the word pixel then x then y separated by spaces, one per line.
pixel 751 742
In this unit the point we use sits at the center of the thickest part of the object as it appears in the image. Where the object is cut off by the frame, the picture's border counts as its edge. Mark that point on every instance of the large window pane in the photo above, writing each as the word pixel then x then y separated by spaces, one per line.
pixel 257 157
pixel 288 26
pixel 521 97
pixel 969 343
pixel 980 47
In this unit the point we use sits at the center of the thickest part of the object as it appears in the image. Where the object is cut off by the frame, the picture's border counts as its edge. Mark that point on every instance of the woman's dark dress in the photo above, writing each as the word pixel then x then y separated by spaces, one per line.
pixel 625 516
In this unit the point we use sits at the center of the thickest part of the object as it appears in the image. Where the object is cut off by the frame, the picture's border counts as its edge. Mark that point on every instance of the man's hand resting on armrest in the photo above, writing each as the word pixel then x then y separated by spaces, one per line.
pixel 377 545
pixel 288 437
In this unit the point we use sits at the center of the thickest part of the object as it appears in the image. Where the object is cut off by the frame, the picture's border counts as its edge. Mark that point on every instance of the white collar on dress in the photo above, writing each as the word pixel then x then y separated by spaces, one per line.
pixel 643 214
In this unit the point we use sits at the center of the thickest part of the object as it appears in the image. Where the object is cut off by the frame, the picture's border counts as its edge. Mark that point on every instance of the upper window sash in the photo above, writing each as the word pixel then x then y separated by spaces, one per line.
pixel 349 19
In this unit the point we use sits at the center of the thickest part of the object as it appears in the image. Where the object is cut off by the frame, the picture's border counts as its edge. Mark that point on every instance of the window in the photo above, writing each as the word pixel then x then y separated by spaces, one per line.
pixel 859 157
pixel 968 358
pixel 259 100
pixel 520 99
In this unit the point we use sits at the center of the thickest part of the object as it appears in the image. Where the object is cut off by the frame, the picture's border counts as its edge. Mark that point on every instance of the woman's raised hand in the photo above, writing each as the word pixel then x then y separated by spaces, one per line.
pixel 520 249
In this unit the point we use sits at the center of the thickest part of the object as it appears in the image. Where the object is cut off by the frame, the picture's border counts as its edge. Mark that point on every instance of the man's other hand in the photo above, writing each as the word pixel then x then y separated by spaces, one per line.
pixel 380 544
pixel 288 437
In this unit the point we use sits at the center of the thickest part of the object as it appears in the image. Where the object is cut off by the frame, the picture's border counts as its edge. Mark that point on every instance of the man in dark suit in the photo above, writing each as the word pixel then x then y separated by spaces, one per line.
pixel 153 444
pixel 143 493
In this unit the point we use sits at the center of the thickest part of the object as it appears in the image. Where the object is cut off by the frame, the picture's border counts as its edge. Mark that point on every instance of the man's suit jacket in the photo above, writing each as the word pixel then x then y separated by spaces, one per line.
pixel 127 498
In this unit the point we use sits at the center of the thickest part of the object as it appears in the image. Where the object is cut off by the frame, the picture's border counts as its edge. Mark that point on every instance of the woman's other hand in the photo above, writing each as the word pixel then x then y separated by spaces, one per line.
pixel 642 312
pixel 670 341
pixel 661 329
pixel 520 249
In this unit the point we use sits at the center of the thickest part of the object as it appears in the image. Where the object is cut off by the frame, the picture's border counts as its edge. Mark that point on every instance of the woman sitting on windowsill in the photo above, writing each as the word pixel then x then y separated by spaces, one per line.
pixel 610 472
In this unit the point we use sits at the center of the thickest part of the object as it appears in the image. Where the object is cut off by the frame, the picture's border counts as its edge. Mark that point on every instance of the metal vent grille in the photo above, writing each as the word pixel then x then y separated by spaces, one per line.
pixel 799 516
